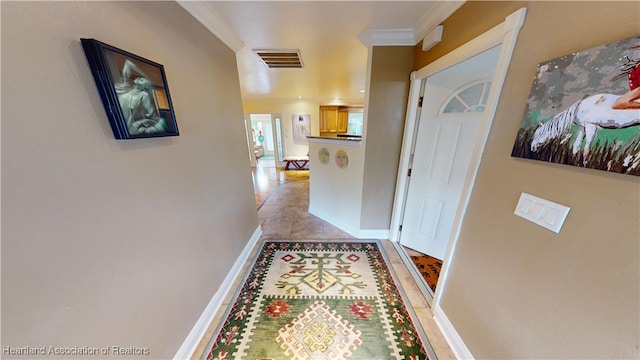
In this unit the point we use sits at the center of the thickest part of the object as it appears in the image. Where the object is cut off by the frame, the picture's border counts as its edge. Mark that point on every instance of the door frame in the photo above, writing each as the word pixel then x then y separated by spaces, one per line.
pixel 278 138
pixel 277 154
pixel 504 34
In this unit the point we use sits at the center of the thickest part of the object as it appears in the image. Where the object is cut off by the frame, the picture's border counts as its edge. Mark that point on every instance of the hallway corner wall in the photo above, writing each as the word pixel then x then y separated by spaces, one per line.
pixel 115 243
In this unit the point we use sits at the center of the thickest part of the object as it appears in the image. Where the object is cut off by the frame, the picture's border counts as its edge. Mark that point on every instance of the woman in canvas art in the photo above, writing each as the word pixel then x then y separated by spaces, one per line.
pixel 137 102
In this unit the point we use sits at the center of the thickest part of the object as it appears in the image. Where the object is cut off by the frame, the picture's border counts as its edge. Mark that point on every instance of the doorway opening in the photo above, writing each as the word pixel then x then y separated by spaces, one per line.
pixel 265 140
pixel 442 146
pixel 447 133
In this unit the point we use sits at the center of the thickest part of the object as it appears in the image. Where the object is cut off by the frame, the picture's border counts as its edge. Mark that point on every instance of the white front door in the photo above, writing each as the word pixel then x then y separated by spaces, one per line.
pixel 447 141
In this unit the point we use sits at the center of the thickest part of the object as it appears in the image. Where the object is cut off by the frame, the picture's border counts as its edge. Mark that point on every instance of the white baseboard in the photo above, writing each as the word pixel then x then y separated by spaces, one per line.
pixel 373 234
pixel 456 344
pixel 197 332
pixel 349 229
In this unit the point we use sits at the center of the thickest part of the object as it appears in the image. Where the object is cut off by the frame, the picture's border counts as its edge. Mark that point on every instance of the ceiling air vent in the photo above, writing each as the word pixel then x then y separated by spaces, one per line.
pixel 276 59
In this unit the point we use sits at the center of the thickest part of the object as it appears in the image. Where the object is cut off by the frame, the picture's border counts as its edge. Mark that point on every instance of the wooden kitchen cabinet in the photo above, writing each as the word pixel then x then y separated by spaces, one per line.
pixel 343 120
pixel 335 119
pixel 328 119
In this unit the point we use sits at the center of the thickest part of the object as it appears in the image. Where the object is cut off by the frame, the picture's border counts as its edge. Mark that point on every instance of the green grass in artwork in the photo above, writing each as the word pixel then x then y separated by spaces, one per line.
pixel 611 150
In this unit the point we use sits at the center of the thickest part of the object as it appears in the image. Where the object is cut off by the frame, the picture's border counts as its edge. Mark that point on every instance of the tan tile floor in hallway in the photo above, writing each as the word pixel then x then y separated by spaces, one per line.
pixel 283 215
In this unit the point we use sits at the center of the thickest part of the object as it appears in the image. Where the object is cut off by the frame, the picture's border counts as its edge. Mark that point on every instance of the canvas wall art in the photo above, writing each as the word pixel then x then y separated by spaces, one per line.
pixel 301 124
pixel 584 110
pixel 134 92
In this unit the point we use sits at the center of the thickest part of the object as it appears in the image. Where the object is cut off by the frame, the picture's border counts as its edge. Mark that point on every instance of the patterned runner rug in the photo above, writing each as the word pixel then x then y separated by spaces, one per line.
pixel 320 300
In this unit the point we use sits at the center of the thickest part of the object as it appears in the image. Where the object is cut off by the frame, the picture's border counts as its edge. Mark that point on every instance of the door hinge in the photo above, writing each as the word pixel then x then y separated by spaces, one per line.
pixel 420 101
pixel 400 228
pixel 409 172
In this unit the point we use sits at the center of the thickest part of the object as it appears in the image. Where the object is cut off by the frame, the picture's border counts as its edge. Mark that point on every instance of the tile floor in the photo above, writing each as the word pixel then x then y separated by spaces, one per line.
pixel 283 215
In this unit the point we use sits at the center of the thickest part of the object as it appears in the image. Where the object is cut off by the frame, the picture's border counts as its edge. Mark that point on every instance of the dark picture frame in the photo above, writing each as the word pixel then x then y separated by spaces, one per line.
pixel 133 90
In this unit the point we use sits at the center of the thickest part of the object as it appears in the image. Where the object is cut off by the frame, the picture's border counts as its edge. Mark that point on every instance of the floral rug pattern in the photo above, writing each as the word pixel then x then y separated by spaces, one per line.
pixel 319 300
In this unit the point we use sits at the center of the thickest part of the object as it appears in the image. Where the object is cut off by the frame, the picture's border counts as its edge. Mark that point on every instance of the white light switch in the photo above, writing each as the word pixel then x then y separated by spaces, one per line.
pixel 542 212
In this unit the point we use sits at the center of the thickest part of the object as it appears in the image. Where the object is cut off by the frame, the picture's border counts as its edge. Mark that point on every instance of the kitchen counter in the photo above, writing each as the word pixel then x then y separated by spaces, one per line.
pixel 344 140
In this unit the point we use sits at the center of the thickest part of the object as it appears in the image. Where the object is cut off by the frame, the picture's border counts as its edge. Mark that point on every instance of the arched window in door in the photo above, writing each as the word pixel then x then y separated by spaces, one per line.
pixel 469 98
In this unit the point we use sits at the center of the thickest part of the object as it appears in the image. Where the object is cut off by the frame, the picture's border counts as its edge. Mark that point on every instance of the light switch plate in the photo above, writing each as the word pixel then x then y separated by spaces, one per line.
pixel 542 212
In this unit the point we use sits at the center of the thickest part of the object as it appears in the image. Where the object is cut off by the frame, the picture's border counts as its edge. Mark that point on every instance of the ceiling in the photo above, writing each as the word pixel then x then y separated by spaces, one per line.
pixel 331 36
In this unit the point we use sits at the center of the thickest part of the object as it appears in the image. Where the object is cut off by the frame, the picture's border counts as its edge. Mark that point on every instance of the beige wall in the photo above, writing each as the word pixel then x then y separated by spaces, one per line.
pixel 388 94
pixel 517 290
pixel 106 242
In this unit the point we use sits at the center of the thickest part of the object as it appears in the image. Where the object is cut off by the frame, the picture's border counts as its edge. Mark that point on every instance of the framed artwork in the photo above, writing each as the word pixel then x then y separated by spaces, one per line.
pixel 584 110
pixel 134 92
pixel 301 124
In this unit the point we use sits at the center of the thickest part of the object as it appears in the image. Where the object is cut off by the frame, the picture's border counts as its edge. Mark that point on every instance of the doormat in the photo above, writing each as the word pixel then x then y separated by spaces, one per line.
pixel 429 267
pixel 319 300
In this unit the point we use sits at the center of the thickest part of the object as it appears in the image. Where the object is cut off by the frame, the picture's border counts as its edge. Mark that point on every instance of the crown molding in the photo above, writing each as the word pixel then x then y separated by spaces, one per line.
pixel 410 37
pixel 375 37
pixel 201 12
